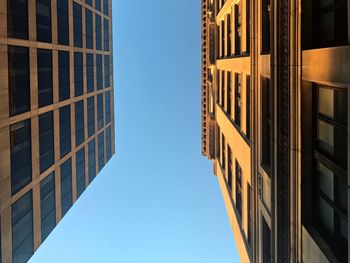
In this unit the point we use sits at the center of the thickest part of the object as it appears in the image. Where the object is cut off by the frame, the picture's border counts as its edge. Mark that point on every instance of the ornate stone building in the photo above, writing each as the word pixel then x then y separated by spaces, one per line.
pixel 275 123
pixel 56 113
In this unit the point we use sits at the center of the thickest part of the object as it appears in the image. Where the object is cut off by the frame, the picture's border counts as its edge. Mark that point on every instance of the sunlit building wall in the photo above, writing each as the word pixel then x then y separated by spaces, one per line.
pixel 275 79
pixel 56 113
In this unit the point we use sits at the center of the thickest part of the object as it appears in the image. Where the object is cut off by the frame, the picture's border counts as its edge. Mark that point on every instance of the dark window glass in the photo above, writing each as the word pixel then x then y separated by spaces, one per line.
pixel 99 80
pixel 17 18
pixel 90 72
pixel 223 152
pixel 238 28
pixel 65 131
pixel 77 25
pixel 229 93
pixel 80 171
pixel 239 189
pixel 46 141
pixel 266 242
pixel 19 85
pixel 98 5
pixel 45 85
pixel 229 168
pixel 63 75
pixel 108 143
pixel 98 33
pixel 99 111
pixel 105 7
pixel 43 20
pixel 106 34
pixel 63 22
pixel 89 28
pixel 222 25
pixel 22 229
pixel 48 205
pixel 108 107
pixel 265 25
pixel 89 2
pixel 101 151
pixel 79 122
pixel 228 39
pixel 248 26
pixel 92 161
pixel 218 146
pixel 331 162
pixel 78 74
pixel 248 107
pixel 238 99
pixel 250 215
pixel 91 115
pixel 107 72
pixel 66 186
pixel 21 155
pixel 266 124
pixel 222 97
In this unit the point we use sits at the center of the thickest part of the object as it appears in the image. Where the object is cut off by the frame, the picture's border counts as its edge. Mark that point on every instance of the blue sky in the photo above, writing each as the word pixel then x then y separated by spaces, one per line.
pixel 157 200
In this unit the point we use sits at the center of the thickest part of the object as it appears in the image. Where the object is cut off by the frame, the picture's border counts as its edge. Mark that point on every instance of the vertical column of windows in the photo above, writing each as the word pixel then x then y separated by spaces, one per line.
pixel 99 77
pixel 266 124
pixel 101 151
pixel 108 143
pixel 63 75
pixel 66 186
pixel 107 71
pixel 248 107
pixel 238 28
pixel 80 171
pixel 45 79
pixel 98 33
pixel 78 74
pixel 90 72
pixel 228 38
pixel 229 93
pixel 77 25
pixel 91 116
pixel 43 20
pixel 238 99
pixel 266 242
pixel 89 29
pixel 92 161
pixel 46 141
pixel 98 5
pixel 65 131
pixel 99 111
pixel 105 7
pixel 107 107
pixel 79 123
pixel 223 152
pixel 239 189
pixel 17 19
pixel 63 22
pixel 229 168
pixel 106 34
pixel 265 26
pixel 47 205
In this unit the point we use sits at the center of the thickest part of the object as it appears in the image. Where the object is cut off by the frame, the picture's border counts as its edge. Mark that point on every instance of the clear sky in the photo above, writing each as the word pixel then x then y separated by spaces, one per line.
pixel 157 200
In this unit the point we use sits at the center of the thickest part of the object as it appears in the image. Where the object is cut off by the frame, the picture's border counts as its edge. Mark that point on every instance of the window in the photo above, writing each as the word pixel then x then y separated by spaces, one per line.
pixel 89 28
pixel 98 5
pixel 229 93
pixel 228 39
pixel 250 215
pixel 98 33
pixel 106 34
pixel 101 151
pixel 63 22
pixel 248 26
pixel 108 143
pixel 43 20
pixel 238 28
pixel 66 186
pixel 222 24
pixel 48 205
pixel 90 72
pixel 330 171
pixel 65 131
pixel 218 146
pixel 330 23
pixel 91 115
pixel 63 75
pixel 45 83
pixel 265 26
pixel 78 74
pixel 229 168
pixel 248 107
pixel 239 189
pixel 99 111
pixel 238 100
pixel 77 25
pixel 266 242
pixel 89 2
pixel 107 72
pixel 223 152
pixel 80 171
pixel 99 80
pixel 21 155
pixel 17 18
pixel 108 107
pixel 19 85
pixel 92 161
pixel 79 122
pixel 46 141
pixel 105 7
pixel 222 98
pixel 22 229
pixel 266 124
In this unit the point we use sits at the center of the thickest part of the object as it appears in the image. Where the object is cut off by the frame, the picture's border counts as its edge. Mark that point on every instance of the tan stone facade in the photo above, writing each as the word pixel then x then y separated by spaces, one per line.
pixel 6 198
pixel 266 67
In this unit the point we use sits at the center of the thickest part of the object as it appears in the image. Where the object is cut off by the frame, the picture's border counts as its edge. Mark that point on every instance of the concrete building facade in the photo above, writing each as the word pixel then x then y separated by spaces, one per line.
pixel 56 113
pixel 275 111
